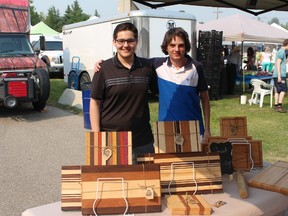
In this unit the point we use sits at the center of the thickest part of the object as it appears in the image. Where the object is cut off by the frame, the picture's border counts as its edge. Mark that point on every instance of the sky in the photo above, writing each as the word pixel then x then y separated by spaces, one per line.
pixel 108 8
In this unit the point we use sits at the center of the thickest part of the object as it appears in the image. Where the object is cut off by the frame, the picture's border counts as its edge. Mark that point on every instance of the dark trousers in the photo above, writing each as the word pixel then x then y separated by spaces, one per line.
pixel 231 77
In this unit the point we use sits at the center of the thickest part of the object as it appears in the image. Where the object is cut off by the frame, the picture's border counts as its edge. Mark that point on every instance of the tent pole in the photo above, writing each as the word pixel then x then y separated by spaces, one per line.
pixel 243 75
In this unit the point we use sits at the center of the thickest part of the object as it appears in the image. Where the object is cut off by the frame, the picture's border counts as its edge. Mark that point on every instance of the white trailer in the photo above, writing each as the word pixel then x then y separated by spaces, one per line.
pixel 86 42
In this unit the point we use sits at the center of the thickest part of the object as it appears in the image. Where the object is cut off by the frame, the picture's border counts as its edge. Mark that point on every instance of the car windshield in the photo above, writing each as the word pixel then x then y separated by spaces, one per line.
pixel 54 45
pixel 49 45
pixel 15 44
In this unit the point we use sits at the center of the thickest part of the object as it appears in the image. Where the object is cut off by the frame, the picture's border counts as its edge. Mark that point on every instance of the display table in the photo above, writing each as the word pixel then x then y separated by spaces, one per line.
pixel 259 202
pixel 247 78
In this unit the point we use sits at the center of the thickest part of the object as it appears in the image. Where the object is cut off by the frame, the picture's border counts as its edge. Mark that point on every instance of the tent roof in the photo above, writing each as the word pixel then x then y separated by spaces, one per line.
pixel 279 27
pixel 240 28
pixel 255 7
pixel 42 28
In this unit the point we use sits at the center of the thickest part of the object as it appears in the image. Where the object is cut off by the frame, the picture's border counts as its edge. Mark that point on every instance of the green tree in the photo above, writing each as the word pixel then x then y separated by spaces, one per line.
pixel 53 19
pixel 74 14
pixel 274 20
pixel 35 17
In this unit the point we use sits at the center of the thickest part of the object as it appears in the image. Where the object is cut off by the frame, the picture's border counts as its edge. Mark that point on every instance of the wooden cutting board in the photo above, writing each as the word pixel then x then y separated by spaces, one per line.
pixel 273 178
pixel 176 136
pixel 178 176
pixel 187 205
pixel 71 188
pixel 233 126
pixel 109 148
pixel 140 187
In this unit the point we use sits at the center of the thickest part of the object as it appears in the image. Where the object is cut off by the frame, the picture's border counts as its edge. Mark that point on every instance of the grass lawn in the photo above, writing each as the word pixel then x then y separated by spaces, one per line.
pixel 263 123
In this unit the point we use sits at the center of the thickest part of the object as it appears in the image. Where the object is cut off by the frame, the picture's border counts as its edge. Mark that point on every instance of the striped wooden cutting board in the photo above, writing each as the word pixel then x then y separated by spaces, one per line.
pixel 109 148
pixel 176 136
pixel 207 171
pixel 141 189
pixel 71 188
pixel 187 205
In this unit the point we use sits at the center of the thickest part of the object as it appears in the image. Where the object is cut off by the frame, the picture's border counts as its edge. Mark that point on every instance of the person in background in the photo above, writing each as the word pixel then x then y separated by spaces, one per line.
pixel 250 60
pixel 233 66
pixel 266 58
pixel 119 92
pixel 279 77
pixel 182 85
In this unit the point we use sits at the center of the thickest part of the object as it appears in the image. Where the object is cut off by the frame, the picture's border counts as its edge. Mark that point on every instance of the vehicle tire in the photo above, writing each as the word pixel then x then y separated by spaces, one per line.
pixel 72 80
pixel 42 88
pixel 85 78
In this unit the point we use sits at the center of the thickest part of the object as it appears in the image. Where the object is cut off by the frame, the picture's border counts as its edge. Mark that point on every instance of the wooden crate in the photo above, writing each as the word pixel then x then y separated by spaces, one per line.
pixel 205 178
pixel 139 180
pixel 109 148
pixel 187 205
pixel 71 188
pixel 176 136
pixel 233 127
pixel 273 178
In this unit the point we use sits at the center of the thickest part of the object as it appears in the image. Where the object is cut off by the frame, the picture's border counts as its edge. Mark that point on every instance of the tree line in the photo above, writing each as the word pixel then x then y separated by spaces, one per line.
pixel 74 13
pixel 54 20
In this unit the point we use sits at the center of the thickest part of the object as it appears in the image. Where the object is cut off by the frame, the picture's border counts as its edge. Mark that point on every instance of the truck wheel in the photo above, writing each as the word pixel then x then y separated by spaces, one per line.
pixel 85 78
pixel 42 88
pixel 72 80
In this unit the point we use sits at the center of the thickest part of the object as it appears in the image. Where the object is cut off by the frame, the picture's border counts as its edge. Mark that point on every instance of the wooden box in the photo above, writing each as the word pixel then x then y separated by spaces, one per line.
pixel 177 136
pixel 273 178
pixel 140 185
pixel 187 205
pixel 233 126
pixel 71 188
pixel 189 172
pixel 109 148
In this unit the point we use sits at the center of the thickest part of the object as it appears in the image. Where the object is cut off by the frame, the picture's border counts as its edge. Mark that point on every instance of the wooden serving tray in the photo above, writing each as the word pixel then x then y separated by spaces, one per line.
pixel 273 178
pixel 109 148
pixel 176 136
pixel 103 182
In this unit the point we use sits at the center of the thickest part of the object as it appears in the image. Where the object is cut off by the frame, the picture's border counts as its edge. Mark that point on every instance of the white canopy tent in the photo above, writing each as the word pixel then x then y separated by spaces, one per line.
pixel 241 28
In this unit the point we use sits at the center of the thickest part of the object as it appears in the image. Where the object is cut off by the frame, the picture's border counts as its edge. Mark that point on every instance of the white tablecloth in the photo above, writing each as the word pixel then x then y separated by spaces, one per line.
pixel 259 202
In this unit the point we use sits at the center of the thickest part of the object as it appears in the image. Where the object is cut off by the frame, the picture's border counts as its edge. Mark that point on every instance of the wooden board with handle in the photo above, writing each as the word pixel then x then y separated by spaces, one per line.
pixel 273 178
pixel 140 186
pixel 193 172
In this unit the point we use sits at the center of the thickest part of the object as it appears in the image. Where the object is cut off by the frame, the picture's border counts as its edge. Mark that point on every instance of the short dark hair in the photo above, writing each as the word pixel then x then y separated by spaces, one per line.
pixel 285 42
pixel 171 34
pixel 127 26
